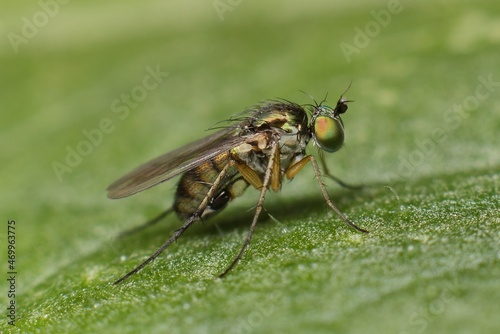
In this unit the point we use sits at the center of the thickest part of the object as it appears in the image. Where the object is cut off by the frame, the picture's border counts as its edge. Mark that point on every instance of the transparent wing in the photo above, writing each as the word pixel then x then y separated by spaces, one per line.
pixel 176 162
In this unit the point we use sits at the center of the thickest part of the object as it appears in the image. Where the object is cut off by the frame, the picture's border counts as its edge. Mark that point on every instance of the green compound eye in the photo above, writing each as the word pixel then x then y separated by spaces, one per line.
pixel 328 133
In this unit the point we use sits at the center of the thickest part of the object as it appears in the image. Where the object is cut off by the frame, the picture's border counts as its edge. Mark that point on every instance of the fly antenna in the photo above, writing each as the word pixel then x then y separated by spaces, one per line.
pixel 347 89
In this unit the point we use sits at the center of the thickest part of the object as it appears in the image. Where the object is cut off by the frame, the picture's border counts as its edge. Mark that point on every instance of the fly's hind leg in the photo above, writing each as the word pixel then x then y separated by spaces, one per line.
pixel 296 168
pixel 177 234
pixel 193 218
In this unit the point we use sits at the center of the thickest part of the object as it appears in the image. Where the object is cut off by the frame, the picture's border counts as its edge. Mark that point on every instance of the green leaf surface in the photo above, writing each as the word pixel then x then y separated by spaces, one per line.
pixel 91 90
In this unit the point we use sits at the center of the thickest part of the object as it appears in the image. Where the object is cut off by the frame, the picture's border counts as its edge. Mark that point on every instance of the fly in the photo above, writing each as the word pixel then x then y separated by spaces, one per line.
pixel 260 148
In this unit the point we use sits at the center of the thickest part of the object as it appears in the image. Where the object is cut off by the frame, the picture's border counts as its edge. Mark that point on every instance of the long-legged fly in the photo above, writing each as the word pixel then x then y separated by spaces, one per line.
pixel 259 148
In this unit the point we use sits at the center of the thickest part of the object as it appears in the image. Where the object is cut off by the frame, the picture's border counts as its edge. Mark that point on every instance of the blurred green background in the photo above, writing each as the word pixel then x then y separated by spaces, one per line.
pixel 422 135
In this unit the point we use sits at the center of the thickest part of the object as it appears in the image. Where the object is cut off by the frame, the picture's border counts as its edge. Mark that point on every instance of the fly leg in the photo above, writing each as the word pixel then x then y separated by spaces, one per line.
pixel 296 168
pixel 326 173
pixel 147 224
pixel 193 218
pixel 273 158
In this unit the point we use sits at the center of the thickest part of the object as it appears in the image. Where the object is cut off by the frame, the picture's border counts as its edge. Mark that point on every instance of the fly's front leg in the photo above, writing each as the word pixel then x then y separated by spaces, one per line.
pixel 194 217
pixel 296 168
pixel 263 189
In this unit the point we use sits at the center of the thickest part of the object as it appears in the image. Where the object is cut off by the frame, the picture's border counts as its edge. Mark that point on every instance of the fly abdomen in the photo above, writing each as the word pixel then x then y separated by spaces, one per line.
pixel 190 192
pixel 195 184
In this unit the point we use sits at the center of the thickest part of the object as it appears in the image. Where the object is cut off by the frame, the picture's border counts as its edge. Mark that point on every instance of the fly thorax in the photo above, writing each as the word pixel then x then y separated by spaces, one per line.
pixel 291 146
